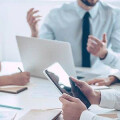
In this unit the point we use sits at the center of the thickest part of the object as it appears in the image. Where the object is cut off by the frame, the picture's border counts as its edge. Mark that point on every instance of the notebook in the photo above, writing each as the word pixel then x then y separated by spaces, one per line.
pixel 42 115
pixel 13 90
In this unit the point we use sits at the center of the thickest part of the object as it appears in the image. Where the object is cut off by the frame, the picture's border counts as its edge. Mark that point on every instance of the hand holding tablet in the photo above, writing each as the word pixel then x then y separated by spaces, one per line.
pixel 64 84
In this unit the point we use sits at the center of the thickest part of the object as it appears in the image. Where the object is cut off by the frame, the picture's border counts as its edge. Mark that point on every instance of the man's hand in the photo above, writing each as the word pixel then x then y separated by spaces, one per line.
pixel 33 21
pixel 103 81
pixel 96 47
pixel 72 107
pixel 20 78
pixel 93 96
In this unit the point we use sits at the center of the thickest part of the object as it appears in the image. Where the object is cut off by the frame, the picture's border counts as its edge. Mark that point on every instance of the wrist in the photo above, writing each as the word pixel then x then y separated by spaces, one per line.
pixel 34 34
pixel 96 98
pixel 103 55
pixel 11 79
pixel 113 79
pixel 82 113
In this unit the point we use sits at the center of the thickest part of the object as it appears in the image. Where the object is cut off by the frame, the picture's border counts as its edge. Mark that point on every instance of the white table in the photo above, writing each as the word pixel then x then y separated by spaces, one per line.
pixel 41 94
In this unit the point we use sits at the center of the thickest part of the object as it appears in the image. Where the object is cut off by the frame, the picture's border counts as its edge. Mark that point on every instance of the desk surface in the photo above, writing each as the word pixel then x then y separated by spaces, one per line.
pixel 41 94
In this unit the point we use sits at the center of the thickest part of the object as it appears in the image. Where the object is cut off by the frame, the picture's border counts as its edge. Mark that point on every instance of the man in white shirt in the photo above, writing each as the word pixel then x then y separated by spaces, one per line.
pixel 74 23
pixel 74 109
pixel 68 23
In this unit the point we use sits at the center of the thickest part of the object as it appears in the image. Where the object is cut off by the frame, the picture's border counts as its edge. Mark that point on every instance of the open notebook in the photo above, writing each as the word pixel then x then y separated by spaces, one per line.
pixel 42 115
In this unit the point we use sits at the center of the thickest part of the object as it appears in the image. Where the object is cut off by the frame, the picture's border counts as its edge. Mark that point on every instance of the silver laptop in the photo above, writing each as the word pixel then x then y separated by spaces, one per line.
pixel 37 54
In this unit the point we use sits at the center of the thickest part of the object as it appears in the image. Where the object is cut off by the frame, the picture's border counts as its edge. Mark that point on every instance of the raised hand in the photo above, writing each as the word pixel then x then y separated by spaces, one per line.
pixel 33 20
pixel 96 47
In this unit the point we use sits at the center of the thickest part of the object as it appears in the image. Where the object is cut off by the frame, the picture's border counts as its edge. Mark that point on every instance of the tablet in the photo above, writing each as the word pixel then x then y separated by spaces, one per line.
pixel 56 74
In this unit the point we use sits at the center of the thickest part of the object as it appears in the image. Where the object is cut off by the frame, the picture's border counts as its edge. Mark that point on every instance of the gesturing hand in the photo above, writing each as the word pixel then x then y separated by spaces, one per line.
pixel 96 47
pixel 33 21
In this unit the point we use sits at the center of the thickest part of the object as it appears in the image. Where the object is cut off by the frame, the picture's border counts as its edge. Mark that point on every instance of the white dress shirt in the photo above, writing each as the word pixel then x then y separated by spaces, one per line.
pixel 116 74
pixel 65 24
pixel 109 99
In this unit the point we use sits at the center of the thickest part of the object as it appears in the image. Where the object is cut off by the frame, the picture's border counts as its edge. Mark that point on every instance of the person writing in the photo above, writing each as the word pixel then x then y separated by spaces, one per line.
pixel 15 79
pixel 74 109
pixel 21 79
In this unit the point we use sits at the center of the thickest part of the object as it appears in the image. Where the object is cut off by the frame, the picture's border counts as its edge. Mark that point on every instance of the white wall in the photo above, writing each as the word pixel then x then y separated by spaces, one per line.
pixel 13 22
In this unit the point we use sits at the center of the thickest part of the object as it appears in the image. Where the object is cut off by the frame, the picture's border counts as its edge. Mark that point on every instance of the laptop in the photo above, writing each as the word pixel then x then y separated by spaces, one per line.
pixel 37 54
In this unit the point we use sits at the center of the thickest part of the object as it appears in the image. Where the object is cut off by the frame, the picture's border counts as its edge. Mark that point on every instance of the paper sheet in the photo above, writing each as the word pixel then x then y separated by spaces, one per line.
pixel 99 87
pixel 41 115
pixel 7 115
pixel 109 115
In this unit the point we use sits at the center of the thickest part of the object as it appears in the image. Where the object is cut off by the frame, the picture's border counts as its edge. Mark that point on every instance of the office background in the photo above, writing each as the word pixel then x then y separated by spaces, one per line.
pixel 13 22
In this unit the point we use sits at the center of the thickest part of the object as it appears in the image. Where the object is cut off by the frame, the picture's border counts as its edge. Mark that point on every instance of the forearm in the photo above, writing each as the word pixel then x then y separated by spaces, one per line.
pixel 34 34
pixel 5 80
pixel 112 59
pixel 107 99
pixel 113 79
pixel 115 76
pixel 110 99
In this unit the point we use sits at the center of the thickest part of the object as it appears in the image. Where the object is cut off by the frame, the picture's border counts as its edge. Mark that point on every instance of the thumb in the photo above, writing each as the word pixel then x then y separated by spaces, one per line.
pixel 78 82
pixel 104 38
pixel 68 98
pixel 63 100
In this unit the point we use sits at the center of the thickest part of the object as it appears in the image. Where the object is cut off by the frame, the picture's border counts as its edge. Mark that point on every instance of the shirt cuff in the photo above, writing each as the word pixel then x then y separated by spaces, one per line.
pixel 116 74
pixel 107 99
pixel 86 115
pixel 110 58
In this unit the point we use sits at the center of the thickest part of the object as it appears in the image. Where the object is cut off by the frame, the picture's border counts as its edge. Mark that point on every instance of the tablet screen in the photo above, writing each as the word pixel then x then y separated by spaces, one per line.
pixel 61 80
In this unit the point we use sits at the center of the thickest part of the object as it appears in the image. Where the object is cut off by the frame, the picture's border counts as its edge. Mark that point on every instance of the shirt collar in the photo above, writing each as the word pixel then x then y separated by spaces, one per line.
pixel 93 12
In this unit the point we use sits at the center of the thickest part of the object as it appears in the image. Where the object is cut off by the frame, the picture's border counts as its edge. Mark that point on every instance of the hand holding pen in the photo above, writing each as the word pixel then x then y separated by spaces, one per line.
pixel 20 79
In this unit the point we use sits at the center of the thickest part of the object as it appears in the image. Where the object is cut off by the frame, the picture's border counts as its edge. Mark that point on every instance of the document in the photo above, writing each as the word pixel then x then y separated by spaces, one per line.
pixel 99 87
pixel 42 115
pixel 109 115
pixel 87 75
pixel 7 115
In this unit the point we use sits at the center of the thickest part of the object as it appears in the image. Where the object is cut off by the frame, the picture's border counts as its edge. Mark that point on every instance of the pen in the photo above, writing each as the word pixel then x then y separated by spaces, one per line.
pixel 14 116
pixel 19 69
pixel 6 106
